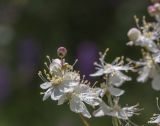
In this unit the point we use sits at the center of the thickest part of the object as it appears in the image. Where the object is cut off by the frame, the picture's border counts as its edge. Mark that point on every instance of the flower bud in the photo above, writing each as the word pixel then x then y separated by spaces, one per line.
pixel 152 10
pixel 157 6
pixel 61 52
pixel 133 34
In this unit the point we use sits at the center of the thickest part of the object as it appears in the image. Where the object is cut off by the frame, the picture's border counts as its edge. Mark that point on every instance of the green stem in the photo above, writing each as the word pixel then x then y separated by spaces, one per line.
pixel 85 122
pixel 115 120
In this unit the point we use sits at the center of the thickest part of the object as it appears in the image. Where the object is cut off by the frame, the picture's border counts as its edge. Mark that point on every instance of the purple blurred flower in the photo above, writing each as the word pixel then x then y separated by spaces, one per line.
pixel 29 57
pixel 87 55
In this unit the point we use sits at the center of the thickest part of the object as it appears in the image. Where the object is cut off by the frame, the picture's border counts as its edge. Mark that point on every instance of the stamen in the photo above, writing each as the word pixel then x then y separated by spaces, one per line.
pixel 45 63
pixel 47 75
pixel 75 62
pixel 41 93
pixel 105 53
pixel 49 59
pixel 41 76
pixel 158 103
pixel 116 60
pixel 137 21
pixel 96 64
pixel 94 84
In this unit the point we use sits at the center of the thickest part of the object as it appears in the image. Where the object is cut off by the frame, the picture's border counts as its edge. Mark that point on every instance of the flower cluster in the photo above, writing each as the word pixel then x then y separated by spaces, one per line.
pixel 147 37
pixel 65 84
pixel 114 77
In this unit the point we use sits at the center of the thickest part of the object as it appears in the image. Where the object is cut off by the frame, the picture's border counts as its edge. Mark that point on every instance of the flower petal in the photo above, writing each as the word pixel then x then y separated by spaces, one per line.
pixel 46 85
pixel 56 94
pixel 100 72
pixel 47 93
pixel 119 78
pixel 144 73
pixel 77 106
pixel 116 91
pixel 102 111
pixel 62 99
pixel 155 119
pixel 156 82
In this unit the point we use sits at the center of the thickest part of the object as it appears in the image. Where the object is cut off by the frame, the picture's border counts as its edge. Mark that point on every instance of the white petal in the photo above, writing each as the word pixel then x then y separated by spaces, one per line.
pixel 73 83
pixel 119 78
pixel 145 42
pixel 46 85
pixel 85 112
pixel 116 80
pixel 129 111
pixel 77 106
pixel 65 88
pixel 157 57
pixel 55 67
pixel 116 91
pixel 56 94
pixel 62 99
pixel 47 93
pixel 144 73
pixel 155 119
pixel 99 91
pixel 130 43
pixel 92 100
pixel 156 82
pixel 122 115
pixel 100 72
pixel 102 111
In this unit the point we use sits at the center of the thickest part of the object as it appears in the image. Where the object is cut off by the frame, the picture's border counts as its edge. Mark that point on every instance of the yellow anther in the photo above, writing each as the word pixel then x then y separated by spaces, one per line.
pixel 39 73
pixel 57 80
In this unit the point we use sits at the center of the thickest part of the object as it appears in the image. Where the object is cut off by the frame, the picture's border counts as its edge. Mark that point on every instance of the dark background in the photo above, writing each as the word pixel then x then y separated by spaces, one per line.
pixel 32 29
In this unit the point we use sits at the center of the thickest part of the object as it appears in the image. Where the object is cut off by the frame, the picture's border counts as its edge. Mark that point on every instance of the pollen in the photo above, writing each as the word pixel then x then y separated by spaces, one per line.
pixel 56 80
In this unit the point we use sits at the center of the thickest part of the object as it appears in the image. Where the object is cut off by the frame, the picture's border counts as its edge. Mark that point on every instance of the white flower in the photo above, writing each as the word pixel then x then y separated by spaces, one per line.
pixel 113 71
pixel 116 111
pixel 156 57
pixel 143 40
pixel 149 69
pixel 155 119
pixel 82 93
pixel 62 80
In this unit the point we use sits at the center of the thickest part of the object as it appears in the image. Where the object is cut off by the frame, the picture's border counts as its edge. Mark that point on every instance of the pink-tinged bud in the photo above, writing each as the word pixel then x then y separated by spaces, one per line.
pixel 152 10
pixel 61 52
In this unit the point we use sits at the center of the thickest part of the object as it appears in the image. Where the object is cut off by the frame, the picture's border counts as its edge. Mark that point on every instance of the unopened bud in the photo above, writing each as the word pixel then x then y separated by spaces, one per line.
pixel 157 6
pixel 61 52
pixel 152 10
pixel 133 34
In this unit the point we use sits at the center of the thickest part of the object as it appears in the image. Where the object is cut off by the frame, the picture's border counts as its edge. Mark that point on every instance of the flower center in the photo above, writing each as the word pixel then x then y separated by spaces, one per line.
pixel 56 80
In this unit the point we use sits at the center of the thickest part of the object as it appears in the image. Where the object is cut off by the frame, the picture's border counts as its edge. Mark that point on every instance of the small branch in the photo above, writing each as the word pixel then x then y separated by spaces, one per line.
pixel 85 122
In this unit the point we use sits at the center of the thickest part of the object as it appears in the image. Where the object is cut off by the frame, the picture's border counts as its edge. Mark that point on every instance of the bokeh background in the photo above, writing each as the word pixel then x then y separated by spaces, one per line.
pixel 32 29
